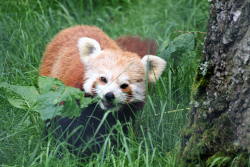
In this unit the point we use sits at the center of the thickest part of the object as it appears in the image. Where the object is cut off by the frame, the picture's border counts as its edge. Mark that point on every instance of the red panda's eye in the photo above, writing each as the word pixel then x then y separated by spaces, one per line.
pixel 103 79
pixel 124 86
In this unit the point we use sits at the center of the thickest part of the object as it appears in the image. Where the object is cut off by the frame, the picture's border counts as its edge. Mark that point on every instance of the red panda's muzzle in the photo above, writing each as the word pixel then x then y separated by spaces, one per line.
pixel 109 96
pixel 108 105
pixel 109 100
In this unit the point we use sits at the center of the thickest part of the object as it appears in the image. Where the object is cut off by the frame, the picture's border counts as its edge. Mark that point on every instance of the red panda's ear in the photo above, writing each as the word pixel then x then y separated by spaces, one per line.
pixel 88 47
pixel 156 67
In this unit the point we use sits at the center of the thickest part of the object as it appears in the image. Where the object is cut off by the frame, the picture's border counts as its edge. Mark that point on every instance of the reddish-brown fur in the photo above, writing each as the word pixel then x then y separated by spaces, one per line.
pixel 137 45
pixel 64 47
pixel 62 60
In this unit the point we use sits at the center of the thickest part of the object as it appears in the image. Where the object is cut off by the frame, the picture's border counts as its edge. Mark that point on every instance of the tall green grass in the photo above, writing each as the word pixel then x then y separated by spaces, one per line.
pixel 27 26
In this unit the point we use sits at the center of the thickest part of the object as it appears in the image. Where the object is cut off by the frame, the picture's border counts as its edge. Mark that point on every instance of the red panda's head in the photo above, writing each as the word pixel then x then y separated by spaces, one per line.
pixel 117 77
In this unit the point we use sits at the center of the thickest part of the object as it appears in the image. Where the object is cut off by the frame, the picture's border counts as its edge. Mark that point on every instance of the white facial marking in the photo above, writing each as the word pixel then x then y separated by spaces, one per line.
pixel 124 79
pixel 88 85
pixel 108 74
pixel 135 93
pixel 138 92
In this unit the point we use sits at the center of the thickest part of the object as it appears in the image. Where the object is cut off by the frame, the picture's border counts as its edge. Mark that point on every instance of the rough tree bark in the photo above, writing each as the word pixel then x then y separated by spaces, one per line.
pixel 220 115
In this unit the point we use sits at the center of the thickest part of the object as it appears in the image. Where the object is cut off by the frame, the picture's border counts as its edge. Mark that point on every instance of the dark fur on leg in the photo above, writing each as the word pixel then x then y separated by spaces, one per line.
pixel 88 123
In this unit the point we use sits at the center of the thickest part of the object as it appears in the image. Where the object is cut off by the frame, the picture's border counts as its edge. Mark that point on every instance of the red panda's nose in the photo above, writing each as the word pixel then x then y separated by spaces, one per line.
pixel 109 96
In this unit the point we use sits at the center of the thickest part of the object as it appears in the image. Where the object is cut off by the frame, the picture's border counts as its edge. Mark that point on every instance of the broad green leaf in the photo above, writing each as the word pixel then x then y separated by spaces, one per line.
pixel 55 92
pixel 86 101
pixel 182 43
pixel 47 84
pixel 71 91
pixel 46 105
pixel 163 45
pixel 185 42
pixel 71 107
pixel 24 97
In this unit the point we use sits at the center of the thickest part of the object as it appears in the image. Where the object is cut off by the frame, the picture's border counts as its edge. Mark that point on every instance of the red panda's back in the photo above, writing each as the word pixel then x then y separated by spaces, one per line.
pixel 137 45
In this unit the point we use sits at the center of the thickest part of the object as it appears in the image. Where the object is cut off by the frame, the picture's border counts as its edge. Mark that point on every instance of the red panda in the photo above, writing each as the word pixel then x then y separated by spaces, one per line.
pixel 86 58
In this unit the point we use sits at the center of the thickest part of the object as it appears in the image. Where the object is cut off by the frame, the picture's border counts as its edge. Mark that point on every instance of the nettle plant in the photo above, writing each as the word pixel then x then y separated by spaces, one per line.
pixel 180 43
pixel 47 98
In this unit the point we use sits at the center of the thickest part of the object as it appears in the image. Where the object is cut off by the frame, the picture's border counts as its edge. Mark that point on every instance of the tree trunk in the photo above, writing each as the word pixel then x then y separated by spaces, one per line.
pixel 219 127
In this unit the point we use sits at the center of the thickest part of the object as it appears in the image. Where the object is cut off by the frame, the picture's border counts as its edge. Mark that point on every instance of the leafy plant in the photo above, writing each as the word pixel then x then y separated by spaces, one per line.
pixel 180 43
pixel 52 98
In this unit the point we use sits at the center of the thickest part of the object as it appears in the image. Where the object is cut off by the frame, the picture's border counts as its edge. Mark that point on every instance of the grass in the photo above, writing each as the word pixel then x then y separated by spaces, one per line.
pixel 26 26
